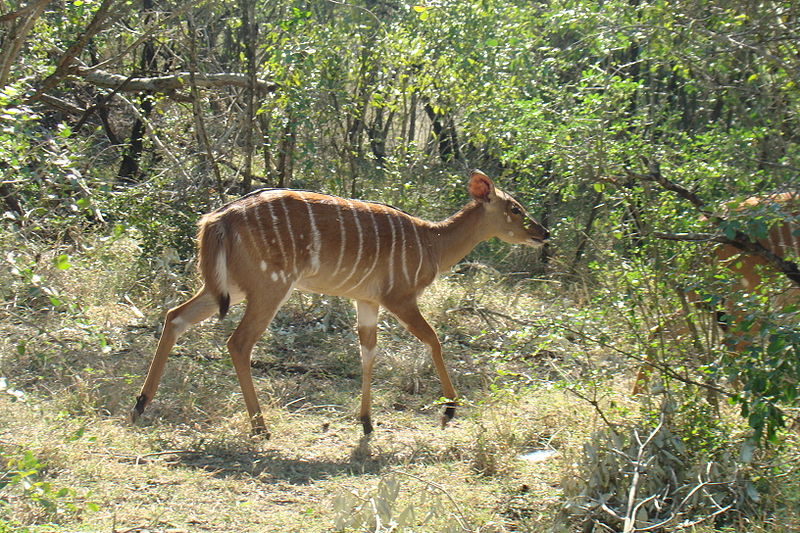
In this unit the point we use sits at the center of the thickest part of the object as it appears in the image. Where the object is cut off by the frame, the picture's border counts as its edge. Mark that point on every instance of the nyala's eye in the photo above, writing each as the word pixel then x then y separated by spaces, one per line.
pixel 516 210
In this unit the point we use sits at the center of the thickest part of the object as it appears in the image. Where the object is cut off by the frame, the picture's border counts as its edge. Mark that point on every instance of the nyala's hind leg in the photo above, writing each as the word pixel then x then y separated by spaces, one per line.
pixel 201 306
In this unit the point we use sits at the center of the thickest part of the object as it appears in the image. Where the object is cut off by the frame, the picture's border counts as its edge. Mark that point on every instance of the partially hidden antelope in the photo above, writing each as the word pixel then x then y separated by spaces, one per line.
pixel 262 246
pixel 751 271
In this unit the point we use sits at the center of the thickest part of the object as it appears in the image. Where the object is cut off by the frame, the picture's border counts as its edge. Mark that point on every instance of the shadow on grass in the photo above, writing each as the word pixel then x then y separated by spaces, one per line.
pixel 273 466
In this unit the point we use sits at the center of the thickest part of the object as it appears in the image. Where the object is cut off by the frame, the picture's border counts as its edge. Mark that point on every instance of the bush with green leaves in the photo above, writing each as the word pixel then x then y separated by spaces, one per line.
pixel 25 485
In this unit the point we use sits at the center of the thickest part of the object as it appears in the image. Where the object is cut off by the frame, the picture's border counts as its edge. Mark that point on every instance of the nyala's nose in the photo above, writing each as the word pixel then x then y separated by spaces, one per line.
pixel 537 228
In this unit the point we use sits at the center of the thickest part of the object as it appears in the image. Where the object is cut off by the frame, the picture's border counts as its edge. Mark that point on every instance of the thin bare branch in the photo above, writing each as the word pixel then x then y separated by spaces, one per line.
pixel 199 121
pixel 693 237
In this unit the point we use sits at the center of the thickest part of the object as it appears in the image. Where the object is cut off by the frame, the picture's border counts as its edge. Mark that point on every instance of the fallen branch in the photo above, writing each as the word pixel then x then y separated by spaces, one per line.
pixel 59 104
pixel 639 466
pixel 167 84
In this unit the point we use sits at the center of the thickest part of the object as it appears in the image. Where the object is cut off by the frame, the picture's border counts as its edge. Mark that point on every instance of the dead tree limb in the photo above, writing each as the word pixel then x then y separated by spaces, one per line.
pixel 169 83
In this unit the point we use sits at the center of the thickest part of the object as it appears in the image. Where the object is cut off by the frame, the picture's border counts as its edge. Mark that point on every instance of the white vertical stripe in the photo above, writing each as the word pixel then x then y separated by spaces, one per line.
pixel 260 223
pixel 391 250
pixel 275 228
pixel 316 241
pixel 360 245
pixel 342 240
pixel 400 220
pixel 290 231
pixel 419 249
pixel 377 256
pixel 248 230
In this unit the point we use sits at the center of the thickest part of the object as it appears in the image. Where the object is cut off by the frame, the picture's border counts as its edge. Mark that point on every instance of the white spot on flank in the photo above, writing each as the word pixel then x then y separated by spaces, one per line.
pixel 264 266
pixel 274 276
pixel 508 219
pixel 511 233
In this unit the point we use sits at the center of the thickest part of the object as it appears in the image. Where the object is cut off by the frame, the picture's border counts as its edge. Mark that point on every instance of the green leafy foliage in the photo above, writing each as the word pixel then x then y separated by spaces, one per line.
pixel 23 478
pixel 569 104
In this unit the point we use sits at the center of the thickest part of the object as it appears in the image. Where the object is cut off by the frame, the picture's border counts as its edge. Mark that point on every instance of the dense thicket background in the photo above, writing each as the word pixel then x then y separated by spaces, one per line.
pixel 127 120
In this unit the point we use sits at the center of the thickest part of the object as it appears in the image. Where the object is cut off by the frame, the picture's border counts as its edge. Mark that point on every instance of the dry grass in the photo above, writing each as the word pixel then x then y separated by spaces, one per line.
pixel 191 465
pixel 182 473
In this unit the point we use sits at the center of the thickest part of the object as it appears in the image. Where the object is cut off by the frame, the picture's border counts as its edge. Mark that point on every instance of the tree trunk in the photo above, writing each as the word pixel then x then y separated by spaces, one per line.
pixel 286 154
pixel 129 169
pixel 412 120
pixel 15 36
pixel 444 131
pixel 249 42
pixel 10 200
pixel 207 153
pixel 585 235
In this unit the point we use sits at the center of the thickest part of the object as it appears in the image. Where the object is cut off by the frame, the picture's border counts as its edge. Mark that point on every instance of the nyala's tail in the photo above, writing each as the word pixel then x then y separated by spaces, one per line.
pixel 213 253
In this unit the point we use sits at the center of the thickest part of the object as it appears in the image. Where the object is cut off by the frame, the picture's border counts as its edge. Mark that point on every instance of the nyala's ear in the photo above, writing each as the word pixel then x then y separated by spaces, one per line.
pixel 480 186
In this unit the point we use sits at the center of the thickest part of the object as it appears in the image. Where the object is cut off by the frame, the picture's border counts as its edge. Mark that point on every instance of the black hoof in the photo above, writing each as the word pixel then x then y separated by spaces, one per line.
pixel 366 422
pixel 138 409
pixel 260 432
pixel 449 413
